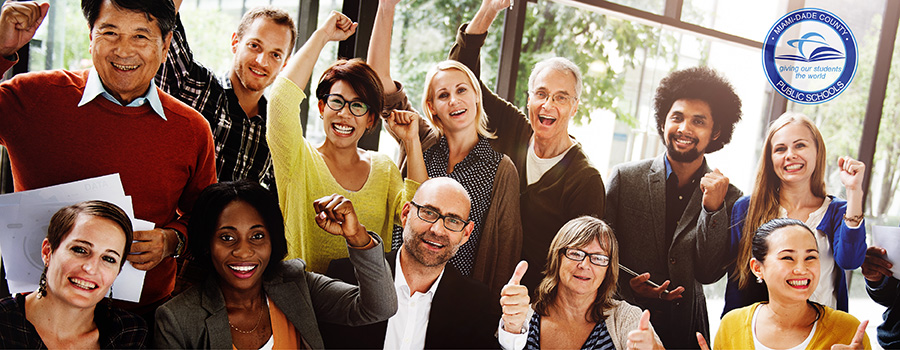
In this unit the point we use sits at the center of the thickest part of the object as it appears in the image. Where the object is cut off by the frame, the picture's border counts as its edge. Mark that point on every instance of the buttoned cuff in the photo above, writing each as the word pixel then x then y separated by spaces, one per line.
pixel 512 341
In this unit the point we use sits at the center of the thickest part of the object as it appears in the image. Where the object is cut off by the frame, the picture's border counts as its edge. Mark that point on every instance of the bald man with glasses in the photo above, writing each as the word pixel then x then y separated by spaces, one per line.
pixel 437 306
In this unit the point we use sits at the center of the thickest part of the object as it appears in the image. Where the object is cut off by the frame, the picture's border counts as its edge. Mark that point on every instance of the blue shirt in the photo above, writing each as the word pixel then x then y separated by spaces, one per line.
pixel 94 87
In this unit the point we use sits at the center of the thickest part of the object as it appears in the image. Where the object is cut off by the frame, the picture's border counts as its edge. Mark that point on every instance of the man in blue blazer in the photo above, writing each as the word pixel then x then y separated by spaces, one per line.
pixel 437 306
pixel 671 213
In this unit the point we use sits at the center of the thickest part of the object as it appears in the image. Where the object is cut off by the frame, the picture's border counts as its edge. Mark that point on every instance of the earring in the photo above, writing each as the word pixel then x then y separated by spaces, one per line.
pixel 42 285
pixel 110 294
pixel 759 280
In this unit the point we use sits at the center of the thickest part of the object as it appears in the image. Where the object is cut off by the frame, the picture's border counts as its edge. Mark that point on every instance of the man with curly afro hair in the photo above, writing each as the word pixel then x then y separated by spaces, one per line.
pixel 671 213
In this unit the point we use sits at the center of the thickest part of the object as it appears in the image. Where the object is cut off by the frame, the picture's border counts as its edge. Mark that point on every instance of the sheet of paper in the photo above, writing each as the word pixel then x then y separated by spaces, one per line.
pixel 107 186
pixel 888 237
pixel 130 283
pixel 24 217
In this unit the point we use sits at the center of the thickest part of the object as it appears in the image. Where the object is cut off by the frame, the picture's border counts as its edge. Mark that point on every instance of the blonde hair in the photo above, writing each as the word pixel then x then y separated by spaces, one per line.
pixel 428 98
pixel 577 233
pixel 764 201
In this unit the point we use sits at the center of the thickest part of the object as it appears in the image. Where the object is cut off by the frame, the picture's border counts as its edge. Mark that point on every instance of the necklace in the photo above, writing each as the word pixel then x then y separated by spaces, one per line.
pixel 254 327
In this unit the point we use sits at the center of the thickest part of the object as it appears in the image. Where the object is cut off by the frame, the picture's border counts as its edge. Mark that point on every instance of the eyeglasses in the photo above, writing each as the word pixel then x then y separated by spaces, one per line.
pixel 337 102
pixel 431 216
pixel 576 254
pixel 560 98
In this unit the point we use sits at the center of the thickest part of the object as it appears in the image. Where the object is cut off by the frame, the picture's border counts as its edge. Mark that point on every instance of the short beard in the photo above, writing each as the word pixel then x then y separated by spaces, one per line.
pixel 682 157
pixel 411 244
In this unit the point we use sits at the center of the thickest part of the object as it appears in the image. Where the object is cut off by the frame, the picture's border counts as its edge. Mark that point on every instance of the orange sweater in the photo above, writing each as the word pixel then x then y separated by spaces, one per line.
pixel 164 164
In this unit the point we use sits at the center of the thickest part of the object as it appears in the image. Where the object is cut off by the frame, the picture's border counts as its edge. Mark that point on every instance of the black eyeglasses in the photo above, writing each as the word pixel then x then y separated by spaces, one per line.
pixel 337 102
pixel 431 216
pixel 576 254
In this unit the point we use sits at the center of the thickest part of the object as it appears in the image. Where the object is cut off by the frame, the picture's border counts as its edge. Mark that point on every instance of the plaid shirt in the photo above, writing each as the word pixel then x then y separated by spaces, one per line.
pixel 119 329
pixel 241 148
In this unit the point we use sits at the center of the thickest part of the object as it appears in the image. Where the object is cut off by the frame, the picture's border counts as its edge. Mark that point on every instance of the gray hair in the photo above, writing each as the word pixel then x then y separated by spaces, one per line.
pixel 559 64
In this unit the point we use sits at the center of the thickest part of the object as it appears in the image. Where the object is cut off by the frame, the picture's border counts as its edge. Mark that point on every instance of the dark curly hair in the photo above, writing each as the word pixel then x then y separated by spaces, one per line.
pixel 705 84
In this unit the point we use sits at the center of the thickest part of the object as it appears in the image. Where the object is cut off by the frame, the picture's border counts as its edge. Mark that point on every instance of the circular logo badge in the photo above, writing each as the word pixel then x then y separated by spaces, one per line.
pixel 810 56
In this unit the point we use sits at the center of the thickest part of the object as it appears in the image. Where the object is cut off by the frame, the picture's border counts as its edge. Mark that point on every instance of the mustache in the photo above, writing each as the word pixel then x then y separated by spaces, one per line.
pixel 672 137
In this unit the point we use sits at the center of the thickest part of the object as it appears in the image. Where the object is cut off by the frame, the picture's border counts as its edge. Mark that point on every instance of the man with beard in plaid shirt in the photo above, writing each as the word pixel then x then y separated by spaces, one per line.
pixel 234 104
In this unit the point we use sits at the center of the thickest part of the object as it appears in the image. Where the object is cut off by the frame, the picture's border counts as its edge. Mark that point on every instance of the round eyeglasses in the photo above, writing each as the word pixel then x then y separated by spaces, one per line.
pixel 431 216
pixel 561 99
pixel 337 102
pixel 576 254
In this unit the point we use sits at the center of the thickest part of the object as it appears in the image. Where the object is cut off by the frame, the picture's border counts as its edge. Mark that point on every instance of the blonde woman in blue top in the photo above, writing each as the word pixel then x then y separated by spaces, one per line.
pixel 790 183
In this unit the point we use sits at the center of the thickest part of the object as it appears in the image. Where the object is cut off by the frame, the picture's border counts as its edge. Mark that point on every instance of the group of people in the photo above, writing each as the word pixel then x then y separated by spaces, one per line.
pixel 430 248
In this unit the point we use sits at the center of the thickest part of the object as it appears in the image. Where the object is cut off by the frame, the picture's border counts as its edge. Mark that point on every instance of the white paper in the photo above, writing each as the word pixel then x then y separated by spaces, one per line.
pixel 888 237
pixel 130 283
pixel 24 217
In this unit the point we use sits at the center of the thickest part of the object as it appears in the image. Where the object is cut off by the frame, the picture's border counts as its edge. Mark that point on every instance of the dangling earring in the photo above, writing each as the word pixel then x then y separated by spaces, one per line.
pixel 42 285
pixel 759 280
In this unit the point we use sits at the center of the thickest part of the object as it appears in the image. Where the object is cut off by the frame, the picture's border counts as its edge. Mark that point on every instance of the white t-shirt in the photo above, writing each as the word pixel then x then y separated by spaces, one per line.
pixel 536 167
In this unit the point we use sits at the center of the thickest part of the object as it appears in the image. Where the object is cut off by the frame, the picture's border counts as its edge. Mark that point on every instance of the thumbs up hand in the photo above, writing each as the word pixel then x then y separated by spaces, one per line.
pixel 702 342
pixel 643 337
pixel 858 339
pixel 514 301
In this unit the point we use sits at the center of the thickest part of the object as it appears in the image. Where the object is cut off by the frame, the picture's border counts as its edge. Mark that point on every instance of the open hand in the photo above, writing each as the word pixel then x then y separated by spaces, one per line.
pixel 640 287
pixel 875 267
pixel 18 22
pixel 514 301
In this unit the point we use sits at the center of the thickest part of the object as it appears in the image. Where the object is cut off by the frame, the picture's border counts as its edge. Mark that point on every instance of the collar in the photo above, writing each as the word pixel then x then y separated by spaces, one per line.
pixel 400 280
pixel 234 105
pixel 699 173
pixel 94 87
pixel 482 149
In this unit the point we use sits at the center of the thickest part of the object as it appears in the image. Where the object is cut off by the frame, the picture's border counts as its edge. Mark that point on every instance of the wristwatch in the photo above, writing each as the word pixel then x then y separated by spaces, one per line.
pixel 179 249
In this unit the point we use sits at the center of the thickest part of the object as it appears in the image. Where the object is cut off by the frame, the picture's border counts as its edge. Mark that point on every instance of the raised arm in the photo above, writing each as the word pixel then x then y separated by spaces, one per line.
pixel 186 79
pixel 379 56
pixel 509 124
pixel 337 27
pixel 374 300
pixel 486 14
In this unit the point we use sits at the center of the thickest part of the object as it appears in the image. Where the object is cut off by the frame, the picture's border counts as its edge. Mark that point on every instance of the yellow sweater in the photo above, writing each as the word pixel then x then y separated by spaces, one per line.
pixel 302 177
pixel 835 327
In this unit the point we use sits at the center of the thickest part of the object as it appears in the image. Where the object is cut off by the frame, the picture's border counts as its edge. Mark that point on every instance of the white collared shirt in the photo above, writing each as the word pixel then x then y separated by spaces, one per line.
pixel 406 329
pixel 94 87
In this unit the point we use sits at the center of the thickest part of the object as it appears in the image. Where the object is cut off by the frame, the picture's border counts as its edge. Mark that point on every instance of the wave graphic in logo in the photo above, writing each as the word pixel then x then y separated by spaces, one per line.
pixel 821 53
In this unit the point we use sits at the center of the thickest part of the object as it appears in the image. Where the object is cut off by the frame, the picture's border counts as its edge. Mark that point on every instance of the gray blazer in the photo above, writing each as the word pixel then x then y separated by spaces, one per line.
pixel 197 319
pixel 698 254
